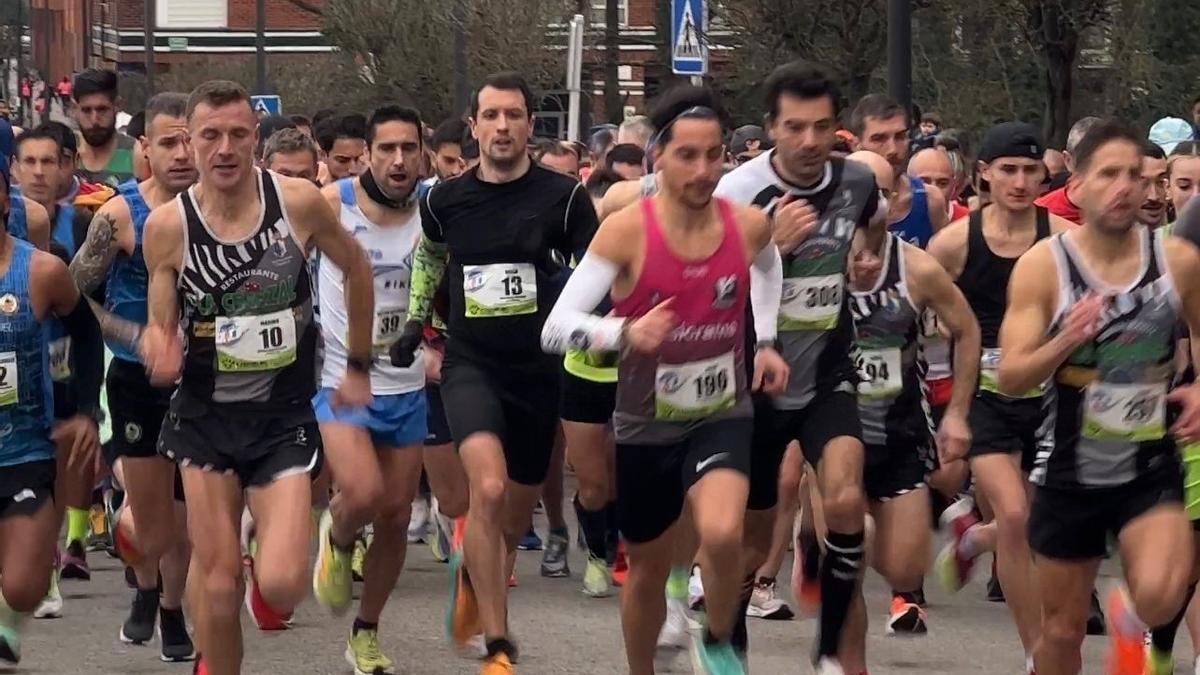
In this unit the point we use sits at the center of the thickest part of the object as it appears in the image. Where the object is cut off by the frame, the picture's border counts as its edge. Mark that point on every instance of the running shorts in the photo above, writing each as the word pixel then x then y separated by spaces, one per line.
pixel 1076 523
pixel 258 449
pixel 518 405
pixel 895 469
pixel 830 414
pixel 393 420
pixel 586 401
pixel 25 487
pixel 137 411
pixel 437 428
pixel 653 480
pixel 1002 425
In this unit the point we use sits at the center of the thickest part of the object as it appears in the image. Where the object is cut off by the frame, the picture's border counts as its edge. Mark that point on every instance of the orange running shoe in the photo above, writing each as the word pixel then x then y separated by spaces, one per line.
pixel 1127 647
pixel 621 566
pixel 462 614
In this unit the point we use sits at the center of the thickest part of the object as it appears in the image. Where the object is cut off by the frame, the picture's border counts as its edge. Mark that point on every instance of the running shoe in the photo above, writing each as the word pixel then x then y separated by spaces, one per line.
pixel 176 644
pixel 198 668
pixel 620 568
pixel 554 559
pixel 138 628
pixel 530 542
pixel 358 559
pixel 332 583
pixel 512 579
pixel 675 632
pixel 74 562
pixel 99 537
pixel 1196 666
pixel 597 579
pixel 827 666
pixel 952 567
pixel 418 522
pixel 364 656
pixel 1095 622
pixel 51 606
pixel 764 604
pixel 462 614
pixel 806 591
pixel 996 594
pixel 906 618
pixel 10 633
pixel 130 578
pixel 1126 637
pixel 695 590
pixel 441 537
pixel 714 658
pixel 263 615
pixel 497 664
pixel 1159 663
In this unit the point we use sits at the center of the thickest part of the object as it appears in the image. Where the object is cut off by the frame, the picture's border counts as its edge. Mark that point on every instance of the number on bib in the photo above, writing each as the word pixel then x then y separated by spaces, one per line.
pixel 989 378
pixel 9 392
pixel 685 391
pixel 388 325
pixel 811 303
pixel 499 290
pixel 1124 412
pixel 248 344
pixel 879 373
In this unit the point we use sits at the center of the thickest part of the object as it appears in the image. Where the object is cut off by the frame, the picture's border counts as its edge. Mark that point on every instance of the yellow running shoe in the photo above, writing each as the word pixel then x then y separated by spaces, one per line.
pixel 332 584
pixel 363 654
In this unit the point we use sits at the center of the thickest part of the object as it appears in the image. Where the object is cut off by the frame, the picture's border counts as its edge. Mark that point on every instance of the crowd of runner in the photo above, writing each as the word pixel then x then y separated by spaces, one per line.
pixel 225 339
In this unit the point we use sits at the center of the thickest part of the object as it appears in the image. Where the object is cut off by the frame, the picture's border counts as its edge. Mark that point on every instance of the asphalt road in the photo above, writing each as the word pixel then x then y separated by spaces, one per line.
pixel 560 631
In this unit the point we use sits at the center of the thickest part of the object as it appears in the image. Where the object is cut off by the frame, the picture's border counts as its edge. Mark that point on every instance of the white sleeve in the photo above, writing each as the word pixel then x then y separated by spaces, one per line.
pixel 766 291
pixel 571 324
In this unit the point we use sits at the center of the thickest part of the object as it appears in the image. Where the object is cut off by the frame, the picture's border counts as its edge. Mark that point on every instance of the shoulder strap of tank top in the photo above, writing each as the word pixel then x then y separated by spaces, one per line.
pixel 896 272
pixel 1043 222
pixel 138 208
pixel 272 200
pixel 654 235
pixel 725 210
pixel 976 244
pixel 346 191
pixel 1157 261
pixel 191 214
pixel 918 187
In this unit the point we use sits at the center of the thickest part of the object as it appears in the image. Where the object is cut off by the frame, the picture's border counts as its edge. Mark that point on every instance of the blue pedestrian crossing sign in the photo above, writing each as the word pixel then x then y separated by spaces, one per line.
pixel 689 55
pixel 266 105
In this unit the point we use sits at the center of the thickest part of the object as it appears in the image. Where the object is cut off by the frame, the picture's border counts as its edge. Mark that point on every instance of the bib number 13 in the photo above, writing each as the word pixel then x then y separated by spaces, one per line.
pixel 512 286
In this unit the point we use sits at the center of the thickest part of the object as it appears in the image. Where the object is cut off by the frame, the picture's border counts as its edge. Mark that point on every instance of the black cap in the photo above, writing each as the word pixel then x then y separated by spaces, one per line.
pixel 1012 139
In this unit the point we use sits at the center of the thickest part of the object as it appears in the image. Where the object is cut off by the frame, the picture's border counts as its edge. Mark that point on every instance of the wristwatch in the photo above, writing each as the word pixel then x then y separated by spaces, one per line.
pixel 763 344
pixel 358 364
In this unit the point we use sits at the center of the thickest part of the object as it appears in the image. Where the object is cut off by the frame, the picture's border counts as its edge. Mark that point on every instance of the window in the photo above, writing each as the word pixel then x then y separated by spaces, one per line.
pixel 192 13
pixel 597 17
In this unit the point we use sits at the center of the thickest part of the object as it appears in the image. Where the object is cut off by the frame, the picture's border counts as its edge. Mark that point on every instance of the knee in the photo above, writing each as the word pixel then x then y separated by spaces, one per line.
pixel 1011 518
pixel 593 492
pixel 900 573
pixel 721 535
pixel 155 536
pixel 452 505
pixel 648 573
pixel 223 590
pixel 283 587
pixel 845 506
pixel 487 497
pixel 392 519
pixel 24 592
pixel 1158 594
pixel 360 498
pixel 1064 632
pixel 789 478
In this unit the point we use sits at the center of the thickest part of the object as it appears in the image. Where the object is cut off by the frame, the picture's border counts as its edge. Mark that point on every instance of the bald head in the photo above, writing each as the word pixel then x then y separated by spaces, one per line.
pixel 1055 160
pixel 932 166
pixel 884 176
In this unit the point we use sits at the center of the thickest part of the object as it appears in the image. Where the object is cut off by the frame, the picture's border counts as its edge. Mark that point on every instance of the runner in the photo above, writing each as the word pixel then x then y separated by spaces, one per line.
pixel 373 452
pixel 33 287
pixel 1156 175
pixel 935 166
pixel 113 252
pixel 27 219
pixel 893 284
pixel 1062 202
pixel 107 155
pixel 343 143
pixel 1095 309
pixel 1007 431
pixel 918 211
pixel 288 152
pixel 816 202
pixel 508 227
pixel 683 416
pixel 231 250
pixel 1183 167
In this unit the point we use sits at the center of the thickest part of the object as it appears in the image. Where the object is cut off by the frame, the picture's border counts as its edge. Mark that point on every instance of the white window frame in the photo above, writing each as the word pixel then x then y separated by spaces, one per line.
pixel 597 12
pixel 220 14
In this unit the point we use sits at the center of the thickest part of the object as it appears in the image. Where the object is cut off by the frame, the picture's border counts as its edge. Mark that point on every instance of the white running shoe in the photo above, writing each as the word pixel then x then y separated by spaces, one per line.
pixel 51 606
pixel 827 666
pixel 765 605
pixel 418 524
pixel 695 589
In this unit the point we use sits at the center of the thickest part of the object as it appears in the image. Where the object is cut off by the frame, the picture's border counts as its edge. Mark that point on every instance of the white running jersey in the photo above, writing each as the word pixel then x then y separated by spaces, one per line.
pixel 390 250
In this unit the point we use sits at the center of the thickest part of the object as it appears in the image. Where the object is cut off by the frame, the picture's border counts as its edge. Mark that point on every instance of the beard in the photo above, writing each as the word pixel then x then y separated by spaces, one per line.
pixel 98 136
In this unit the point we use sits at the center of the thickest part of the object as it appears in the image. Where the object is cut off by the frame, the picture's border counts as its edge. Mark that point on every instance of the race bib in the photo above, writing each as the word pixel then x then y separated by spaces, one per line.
pixel 248 344
pixel 388 325
pixel 989 368
pixel 879 374
pixel 9 393
pixel 60 359
pixel 686 391
pixel 811 303
pixel 1125 412
pixel 499 290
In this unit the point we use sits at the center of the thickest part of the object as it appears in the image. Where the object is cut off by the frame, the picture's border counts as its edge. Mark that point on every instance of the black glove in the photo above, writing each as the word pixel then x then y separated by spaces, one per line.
pixel 404 349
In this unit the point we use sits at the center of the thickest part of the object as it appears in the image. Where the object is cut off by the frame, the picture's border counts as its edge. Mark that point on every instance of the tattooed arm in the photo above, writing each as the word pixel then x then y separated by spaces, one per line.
pixel 92 262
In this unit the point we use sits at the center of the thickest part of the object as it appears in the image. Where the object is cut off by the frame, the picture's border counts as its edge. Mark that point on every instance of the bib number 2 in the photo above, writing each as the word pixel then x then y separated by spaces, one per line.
pixel 9 394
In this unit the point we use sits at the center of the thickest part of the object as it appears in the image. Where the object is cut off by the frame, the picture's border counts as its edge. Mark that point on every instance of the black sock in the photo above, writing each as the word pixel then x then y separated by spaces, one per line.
pixel 594 525
pixel 1163 637
pixel 359 624
pixel 497 645
pixel 840 575
pixel 613 535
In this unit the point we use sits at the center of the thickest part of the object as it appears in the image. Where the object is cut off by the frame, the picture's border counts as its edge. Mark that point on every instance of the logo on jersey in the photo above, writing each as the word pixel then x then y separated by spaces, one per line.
pixel 133 432
pixel 725 292
pixel 9 304
pixel 474 281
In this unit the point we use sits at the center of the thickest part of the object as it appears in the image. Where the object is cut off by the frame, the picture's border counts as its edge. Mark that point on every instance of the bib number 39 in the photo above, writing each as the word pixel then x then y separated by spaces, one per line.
pixel 684 391
pixel 9 394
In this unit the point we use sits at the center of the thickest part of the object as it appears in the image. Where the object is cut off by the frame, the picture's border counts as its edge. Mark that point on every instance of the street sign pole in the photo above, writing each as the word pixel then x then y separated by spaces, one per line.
pixel 574 74
pixel 689 23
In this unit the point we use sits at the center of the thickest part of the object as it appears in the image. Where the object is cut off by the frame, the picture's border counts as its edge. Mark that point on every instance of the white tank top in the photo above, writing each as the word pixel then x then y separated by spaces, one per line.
pixel 390 250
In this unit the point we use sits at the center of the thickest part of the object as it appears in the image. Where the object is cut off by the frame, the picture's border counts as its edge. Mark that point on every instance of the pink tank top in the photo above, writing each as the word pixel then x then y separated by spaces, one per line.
pixel 699 371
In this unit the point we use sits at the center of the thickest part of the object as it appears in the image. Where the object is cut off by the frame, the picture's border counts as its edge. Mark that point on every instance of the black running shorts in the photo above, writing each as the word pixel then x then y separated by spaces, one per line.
pixel 258 449
pixel 586 401
pixel 1076 523
pixel 437 428
pixel 518 405
pixel 137 411
pixel 25 487
pixel 1001 425
pixel 653 480
pixel 831 414
pixel 895 469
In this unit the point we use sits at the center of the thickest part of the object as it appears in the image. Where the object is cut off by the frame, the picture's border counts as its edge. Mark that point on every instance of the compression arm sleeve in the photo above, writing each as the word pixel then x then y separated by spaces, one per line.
pixel 766 291
pixel 429 264
pixel 571 324
pixel 87 354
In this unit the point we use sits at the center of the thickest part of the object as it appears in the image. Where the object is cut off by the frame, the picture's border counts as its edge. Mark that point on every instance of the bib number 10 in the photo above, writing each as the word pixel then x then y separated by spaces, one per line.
pixel 272 338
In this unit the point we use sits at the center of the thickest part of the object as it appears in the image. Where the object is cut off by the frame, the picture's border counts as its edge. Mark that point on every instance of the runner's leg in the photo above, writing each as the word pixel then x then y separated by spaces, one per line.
pixel 1066 593
pixel 281 525
pixel 27 542
pixel 643 605
pixel 483 542
pixel 399 468
pixel 718 503
pixel 840 475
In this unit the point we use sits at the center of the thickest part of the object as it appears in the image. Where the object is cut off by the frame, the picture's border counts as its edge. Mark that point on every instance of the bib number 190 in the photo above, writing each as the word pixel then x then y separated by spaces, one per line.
pixel 711 384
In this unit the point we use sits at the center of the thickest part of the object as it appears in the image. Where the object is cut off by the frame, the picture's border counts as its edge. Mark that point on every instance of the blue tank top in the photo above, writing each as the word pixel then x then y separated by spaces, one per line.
pixel 125 292
pixel 62 230
pixel 17 223
pixel 915 228
pixel 26 399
